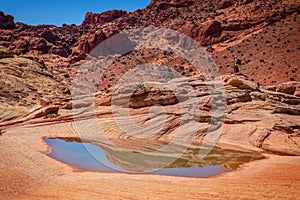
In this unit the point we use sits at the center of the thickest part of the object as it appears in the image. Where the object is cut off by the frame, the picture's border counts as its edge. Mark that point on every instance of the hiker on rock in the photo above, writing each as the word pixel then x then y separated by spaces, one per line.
pixel 236 64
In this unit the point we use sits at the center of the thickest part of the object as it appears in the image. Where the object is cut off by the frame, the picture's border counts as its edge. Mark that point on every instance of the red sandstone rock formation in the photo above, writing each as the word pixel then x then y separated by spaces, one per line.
pixel 6 21
pixel 102 18
pixel 263 34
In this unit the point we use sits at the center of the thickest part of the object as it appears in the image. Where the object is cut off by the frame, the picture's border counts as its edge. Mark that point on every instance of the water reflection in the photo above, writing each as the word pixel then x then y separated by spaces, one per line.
pixel 128 159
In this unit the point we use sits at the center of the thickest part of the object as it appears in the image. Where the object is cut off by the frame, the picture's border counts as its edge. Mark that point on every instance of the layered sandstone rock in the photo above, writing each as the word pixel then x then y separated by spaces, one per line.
pixel 253 119
pixel 291 88
pixel 24 80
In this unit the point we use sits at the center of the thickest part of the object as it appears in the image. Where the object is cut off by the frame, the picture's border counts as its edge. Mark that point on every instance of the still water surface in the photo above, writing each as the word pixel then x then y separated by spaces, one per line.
pixel 101 158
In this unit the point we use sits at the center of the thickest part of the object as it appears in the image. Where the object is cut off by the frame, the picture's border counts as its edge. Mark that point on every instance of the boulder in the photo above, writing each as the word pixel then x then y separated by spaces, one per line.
pixel 288 87
pixel 6 21
pixel 240 81
pixel 211 33
pixel 50 36
pixel 212 28
pixel 59 50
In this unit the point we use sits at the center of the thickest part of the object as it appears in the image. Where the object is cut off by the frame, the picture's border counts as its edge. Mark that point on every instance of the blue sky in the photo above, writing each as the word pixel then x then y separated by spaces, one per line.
pixel 57 12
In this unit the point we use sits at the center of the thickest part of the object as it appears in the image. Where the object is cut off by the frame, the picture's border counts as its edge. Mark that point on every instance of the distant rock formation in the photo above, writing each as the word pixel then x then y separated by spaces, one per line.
pixel 6 21
pixel 225 27
pixel 92 19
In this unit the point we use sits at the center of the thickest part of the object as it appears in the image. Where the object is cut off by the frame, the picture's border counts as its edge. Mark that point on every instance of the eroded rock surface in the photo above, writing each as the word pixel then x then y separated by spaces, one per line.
pixel 253 118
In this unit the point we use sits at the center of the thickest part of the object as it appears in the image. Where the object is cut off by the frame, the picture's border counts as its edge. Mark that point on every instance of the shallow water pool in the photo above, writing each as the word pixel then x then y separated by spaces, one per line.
pixel 97 157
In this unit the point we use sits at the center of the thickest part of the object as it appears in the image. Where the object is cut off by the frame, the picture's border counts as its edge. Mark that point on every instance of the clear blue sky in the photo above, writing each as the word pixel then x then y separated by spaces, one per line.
pixel 57 12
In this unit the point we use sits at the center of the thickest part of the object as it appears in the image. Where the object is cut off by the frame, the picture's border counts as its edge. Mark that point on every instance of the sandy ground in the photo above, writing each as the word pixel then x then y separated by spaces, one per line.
pixel 26 172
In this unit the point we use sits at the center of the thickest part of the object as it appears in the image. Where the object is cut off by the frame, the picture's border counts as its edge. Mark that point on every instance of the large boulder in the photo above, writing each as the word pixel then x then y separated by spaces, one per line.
pixel 240 81
pixel 288 87
pixel 212 28
pixel 6 21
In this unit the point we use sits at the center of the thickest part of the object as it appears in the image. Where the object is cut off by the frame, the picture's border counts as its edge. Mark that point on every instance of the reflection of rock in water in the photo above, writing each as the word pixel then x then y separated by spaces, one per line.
pixel 135 161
